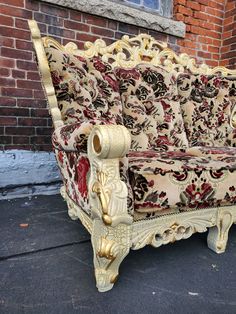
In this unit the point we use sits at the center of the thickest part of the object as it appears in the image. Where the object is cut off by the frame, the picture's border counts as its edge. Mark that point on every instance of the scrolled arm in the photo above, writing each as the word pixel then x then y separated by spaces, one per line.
pixel 107 193
pixel 110 141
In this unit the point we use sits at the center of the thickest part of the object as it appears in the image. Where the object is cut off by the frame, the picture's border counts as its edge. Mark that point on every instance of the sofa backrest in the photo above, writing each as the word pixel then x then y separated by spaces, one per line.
pixel 86 89
pixel 207 103
pixel 97 96
pixel 151 109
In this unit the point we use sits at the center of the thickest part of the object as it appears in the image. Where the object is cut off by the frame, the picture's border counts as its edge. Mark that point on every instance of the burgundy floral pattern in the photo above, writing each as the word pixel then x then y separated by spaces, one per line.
pixel 174 181
pixel 85 89
pixel 74 137
pixel 81 175
pixel 151 109
pixel 163 174
pixel 207 103
pixel 74 169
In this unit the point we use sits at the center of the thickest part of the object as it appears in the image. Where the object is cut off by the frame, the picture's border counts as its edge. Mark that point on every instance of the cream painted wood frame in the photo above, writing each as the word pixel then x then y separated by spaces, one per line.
pixel 113 231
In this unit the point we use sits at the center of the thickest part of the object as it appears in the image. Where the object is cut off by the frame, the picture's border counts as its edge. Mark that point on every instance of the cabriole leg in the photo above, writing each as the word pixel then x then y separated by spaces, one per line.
pixel 110 246
pixel 218 235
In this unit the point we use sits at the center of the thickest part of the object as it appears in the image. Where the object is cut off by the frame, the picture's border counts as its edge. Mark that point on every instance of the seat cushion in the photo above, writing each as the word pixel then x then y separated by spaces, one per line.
pixel 207 103
pixel 151 108
pixel 168 182
pixel 86 89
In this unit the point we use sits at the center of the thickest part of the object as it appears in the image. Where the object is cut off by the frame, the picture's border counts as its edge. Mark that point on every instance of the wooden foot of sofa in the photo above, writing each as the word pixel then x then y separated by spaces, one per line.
pixel 110 246
pixel 218 235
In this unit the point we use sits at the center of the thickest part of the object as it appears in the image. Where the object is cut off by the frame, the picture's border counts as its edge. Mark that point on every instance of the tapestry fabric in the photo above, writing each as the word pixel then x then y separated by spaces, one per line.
pixel 85 89
pixel 167 182
pixel 206 104
pixel 151 109
pixel 75 169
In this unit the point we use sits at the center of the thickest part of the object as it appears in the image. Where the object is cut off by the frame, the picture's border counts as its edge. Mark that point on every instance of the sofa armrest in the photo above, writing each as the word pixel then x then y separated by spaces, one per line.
pixel 73 137
pixel 109 141
pixel 107 193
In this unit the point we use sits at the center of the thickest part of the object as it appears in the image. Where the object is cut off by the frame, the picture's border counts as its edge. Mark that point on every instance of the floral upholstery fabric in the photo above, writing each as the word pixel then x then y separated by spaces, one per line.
pixel 85 89
pixel 162 173
pixel 74 169
pixel 151 110
pixel 167 182
pixel 207 103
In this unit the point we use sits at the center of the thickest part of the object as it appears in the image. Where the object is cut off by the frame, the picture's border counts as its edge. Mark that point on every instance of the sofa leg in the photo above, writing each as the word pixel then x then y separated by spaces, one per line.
pixel 218 235
pixel 110 246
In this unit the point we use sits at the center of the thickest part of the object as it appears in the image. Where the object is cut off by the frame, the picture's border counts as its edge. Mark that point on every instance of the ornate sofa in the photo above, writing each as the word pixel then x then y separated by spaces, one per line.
pixel 145 142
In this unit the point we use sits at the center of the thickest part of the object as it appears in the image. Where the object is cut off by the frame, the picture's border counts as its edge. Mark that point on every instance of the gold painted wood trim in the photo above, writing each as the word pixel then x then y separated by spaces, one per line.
pixel 45 73
pixel 130 51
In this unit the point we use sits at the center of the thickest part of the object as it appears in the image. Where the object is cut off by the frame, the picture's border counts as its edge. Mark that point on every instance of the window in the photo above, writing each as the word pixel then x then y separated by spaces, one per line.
pixel 150 4
pixel 162 7
pixel 150 14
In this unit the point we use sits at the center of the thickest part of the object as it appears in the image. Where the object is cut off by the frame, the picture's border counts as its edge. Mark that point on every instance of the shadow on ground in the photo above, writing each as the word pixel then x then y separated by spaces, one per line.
pixel 46 267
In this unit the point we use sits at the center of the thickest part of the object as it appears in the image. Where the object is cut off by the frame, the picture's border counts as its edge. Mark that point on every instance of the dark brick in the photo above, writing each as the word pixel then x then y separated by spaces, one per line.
pixel 14 32
pixel 20 131
pixel 128 29
pixel 26 65
pixel 5 140
pixel 21 140
pixel 54 10
pixel 8 102
pixel 44 131
pixel 48 19
pixel 18 12
pixel 16 54
pixel 6 111
pixel 31 103
pixel 7 120
pixel 32 122
pixel 40 140
pixel 16 92
pixel 39 113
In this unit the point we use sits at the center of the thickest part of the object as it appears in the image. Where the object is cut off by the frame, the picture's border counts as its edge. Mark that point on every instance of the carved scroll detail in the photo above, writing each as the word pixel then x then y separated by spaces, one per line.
pixel 107 193
pixel 171 228
pixel 110 245
pixel 130 51
pixel 45 74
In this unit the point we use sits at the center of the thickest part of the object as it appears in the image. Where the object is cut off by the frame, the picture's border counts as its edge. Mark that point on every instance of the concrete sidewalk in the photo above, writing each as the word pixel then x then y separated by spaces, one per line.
pixel 47 267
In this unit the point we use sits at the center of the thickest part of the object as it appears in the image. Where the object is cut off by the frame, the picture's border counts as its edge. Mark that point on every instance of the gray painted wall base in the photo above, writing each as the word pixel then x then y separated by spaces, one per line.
pixel 30 190
pixel 24 173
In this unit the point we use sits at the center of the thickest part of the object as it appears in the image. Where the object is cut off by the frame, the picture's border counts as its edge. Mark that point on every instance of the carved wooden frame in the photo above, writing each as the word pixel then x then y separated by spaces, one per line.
pixel 113 231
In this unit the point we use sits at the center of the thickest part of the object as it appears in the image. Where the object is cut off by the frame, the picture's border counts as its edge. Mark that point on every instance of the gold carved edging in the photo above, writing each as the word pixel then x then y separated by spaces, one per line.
pixel 108 200
pixel 218 235
pixel 143 48
pixel 45 74
pixel 101 188
pixel 173 227
pixel 110 245
pixel 107 193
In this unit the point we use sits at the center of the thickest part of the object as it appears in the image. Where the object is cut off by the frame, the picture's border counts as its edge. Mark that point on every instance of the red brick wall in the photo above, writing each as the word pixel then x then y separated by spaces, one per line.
pixel 228 49
pixel 24 120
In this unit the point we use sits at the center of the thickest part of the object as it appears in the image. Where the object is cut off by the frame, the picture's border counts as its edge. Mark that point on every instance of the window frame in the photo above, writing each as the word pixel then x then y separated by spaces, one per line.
pixel 122 12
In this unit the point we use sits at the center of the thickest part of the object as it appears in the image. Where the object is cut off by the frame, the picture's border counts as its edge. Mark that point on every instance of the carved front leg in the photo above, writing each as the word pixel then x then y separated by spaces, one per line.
pixel 108 200
pixel 110 246
pixel 218 235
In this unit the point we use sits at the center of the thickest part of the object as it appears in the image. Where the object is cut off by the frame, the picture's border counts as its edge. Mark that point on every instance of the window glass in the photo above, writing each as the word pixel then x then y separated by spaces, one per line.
pixel 152 4
pixel 162 7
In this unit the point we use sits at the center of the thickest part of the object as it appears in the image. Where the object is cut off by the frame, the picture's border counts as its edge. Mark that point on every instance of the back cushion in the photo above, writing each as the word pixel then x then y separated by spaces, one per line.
pixel 207 103
pixel 151 108
pixel 85 89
